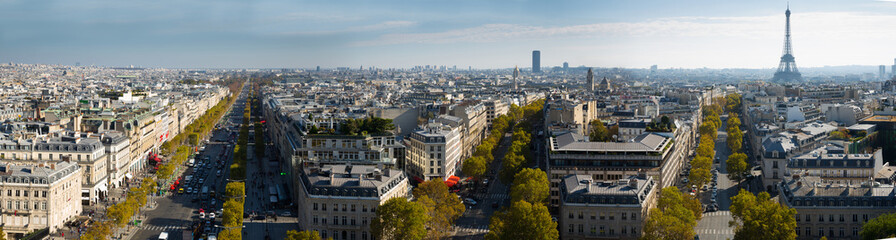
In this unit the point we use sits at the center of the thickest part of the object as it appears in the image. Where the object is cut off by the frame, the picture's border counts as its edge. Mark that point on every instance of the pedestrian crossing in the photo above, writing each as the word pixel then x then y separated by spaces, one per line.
pixel 718 213
pixel 472 229
pixel 491 195
pixel 715 231
pixel 163 228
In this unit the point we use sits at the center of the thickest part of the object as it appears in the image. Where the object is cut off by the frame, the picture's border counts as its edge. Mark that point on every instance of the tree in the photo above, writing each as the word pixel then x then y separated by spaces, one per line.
pixel 759 217
pixel 671 196
pixel 193 138
pixel 474 166
pixel 883 226
pixel 522 220
pixel 735 139
pixel 399 219
pixel 442 207
pixel 303 235
pixel 599 132
pixel 676 223
pixel 530 185
pixel 708 129
pixel 230 234
pixel 509 167
pixel 98 231
pixel 700 176
pixel 737 166
pixel 838 135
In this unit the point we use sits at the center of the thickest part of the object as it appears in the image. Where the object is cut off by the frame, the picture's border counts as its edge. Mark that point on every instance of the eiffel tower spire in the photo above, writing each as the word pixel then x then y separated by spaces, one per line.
pixel 787 71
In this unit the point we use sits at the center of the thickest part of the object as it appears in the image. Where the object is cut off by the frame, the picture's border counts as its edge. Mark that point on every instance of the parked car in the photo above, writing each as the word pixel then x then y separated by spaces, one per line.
pixel 470 201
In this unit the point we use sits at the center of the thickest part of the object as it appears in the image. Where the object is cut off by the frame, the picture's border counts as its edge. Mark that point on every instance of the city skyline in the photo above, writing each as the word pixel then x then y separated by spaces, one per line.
pixel 275 34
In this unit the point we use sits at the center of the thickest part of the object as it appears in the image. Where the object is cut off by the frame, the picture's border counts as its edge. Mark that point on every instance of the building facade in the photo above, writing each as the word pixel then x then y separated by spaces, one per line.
pixel 433 152
pixel 39 196
pixel 595 209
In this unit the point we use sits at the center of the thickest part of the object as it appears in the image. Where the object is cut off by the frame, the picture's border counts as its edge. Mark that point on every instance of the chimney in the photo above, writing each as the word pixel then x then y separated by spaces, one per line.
pixel 588 184
pixel 53 166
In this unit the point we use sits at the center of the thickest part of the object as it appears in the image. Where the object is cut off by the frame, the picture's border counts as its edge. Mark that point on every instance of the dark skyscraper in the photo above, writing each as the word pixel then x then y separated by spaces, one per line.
pixel 787 71
pixel 536 61
pixel 565 66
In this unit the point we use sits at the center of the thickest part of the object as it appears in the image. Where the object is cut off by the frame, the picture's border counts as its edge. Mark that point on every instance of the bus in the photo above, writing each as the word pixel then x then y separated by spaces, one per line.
pixel 204 192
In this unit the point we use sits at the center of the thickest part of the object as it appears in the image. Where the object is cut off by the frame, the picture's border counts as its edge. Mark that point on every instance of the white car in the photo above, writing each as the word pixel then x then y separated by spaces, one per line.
pixel 211 215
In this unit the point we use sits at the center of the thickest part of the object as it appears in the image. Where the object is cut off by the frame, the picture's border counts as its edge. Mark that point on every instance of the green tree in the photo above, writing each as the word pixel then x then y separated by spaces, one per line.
pixel 737 167
pixel 442 207
pixel 522 220
pixel 676 223
pixel 193 138
pixel 235 190
pixel 700 176
pixel 530 185
pixel 883 226
pixel 759 217
pixel 838 135
pixel 671 196
pixel 510 166
pixel 230 234
pixel 303 235
pixel 399 219
pixel 474 166
pixel 98 231
pixel 735 139
pixel 599 132
pixel 708 129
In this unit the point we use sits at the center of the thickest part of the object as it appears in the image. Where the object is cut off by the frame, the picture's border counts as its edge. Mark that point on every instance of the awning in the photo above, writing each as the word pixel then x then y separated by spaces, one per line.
pixel 454 178
pixel 101 187
pixel 418 179
pixel 450 183
pixel 128 175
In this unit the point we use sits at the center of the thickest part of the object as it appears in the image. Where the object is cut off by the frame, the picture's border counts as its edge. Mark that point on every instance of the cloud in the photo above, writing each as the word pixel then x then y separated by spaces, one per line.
pixel 382 26
pixel 821 24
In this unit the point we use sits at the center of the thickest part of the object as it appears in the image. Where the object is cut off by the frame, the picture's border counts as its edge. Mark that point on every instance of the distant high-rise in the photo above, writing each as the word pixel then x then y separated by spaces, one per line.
pixel 787 71
pixel 590 78
pixel 883 71
pixel 565 66
pixel 536 61
pixel 516 73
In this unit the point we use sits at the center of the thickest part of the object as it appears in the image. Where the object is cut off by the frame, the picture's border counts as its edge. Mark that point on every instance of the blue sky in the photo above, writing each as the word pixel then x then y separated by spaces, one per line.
pixel 481 34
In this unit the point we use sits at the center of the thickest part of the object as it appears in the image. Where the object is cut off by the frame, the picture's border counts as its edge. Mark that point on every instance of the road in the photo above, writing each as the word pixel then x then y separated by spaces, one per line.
pixel 714 225
pixel 176 212
pixel 474 223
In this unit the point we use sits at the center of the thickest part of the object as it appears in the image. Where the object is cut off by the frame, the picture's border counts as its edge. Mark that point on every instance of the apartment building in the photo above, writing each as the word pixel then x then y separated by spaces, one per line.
pixel 604 209
pixel 433 152
pixel 339 201
pixel 835 211
pixel 653 154
pixel 39 196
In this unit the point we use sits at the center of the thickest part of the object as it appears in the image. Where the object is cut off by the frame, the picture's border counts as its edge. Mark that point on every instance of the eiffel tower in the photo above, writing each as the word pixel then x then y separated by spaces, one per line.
pixel 787 71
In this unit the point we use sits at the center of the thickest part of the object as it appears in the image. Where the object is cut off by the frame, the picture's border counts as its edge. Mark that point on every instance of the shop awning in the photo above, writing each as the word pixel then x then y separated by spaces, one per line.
pixel 128 175
pixel 418 179
pixel 450 183
pixel 454 178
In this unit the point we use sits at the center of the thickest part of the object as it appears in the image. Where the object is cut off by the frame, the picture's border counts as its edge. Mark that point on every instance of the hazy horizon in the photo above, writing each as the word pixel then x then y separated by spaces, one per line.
pixel 484 35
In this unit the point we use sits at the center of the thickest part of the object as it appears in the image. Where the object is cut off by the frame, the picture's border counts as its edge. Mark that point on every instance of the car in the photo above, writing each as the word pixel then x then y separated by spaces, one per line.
pixel 286 214
pixel 485 181
pixel 211 215
pixel 258 217
pixel 201 180
pixel 470 201
pixel 201 215
pixel 219 173
pixel 684 180
pixel 180 191
pixel 189 189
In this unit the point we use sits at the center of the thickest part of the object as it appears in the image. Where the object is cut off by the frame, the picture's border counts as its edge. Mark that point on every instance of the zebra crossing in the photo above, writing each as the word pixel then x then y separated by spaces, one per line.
pixel 472 229
pixel 163 228
pixel 715 231
pixel 491 195
pixel 719 213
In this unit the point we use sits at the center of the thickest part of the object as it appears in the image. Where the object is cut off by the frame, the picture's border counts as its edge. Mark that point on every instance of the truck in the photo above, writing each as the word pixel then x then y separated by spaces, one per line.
pixel 204 191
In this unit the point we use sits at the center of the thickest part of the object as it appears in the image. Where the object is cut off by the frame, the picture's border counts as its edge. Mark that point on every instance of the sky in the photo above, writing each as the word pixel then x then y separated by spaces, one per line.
pixel 462 33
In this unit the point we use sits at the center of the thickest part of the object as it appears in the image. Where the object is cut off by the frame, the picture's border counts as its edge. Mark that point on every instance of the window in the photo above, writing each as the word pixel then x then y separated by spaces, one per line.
pixel 821 231
pixel 364 221
pixel 344 220
pixel 323 220
pixel 831 231
pixel 581 215
pixel 775 163
pixel 335 207
pixel 315 207
pixel 593 216
pixel 831 219
pixel 343 207
pixel 841 218
pixel 364 235
pixel 17 193
pixel 323 234
pixel 314 220
pixel 36 193
pixel 821 218
pixel 323 207
pixel 855 231
pixel 634 217
pixel 808 218
pixel 797 218
pixel 353 209
pixel 855 218
pixel 353 222
pixel 581 228
pixel 9 193
pixel 25 193
pixel 797 230
pixel 842 232
pixel 864 217
pixel 43 205
pixel 610 215
pixel 624 216
pixel 572 228
pixel 571 215
pixel 363 208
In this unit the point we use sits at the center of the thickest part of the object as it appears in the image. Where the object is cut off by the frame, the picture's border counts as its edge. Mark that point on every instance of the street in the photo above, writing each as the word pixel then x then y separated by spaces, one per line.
pixel 474 223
